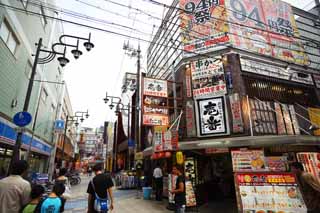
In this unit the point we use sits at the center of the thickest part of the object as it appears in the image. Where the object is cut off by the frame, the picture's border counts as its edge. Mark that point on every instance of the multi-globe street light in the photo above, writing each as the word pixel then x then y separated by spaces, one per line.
pixel 51 54
pixel 72 118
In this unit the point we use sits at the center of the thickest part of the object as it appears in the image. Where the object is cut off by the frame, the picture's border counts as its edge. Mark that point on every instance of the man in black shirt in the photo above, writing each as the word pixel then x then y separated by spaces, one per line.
pixel 102 186
pixel 179 191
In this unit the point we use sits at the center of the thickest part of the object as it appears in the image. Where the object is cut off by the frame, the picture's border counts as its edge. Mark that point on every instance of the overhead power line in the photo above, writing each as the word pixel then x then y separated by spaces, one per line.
pixel 112 32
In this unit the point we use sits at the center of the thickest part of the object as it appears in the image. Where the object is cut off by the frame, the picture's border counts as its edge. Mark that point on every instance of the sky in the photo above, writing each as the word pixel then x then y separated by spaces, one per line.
pixel 102 69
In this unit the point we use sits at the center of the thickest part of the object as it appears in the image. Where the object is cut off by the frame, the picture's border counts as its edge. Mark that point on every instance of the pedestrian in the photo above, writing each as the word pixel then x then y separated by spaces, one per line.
pixel 63 179
pixel 3 173
pixel 100 191
pixel 14 190
pixel 158 179
pixel 36 195
pixel 179 191
pixel 310 187
pixel 89 171
pixel 54 202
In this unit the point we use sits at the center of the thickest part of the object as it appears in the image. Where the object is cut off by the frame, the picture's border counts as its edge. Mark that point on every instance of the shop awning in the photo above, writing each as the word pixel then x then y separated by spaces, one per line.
pixel 248 141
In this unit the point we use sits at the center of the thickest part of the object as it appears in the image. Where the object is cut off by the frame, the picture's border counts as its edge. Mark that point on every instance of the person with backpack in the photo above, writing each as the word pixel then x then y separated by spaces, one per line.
pixel 100 191
pixel 54 202
pixel 36 195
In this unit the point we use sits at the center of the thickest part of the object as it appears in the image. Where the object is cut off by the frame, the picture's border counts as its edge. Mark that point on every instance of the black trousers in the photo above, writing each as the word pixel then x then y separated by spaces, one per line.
pixel 159 188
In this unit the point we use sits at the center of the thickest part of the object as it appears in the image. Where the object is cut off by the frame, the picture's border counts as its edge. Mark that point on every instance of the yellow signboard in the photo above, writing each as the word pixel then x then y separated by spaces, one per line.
pixel 314 114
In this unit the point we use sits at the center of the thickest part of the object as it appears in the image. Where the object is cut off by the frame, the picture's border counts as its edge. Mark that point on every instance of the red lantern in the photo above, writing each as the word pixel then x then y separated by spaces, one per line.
pixel 160 154
pixel 154 156
pixel 167 154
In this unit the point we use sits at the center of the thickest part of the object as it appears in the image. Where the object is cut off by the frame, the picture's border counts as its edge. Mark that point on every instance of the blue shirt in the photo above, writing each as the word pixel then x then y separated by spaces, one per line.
pixel 51 205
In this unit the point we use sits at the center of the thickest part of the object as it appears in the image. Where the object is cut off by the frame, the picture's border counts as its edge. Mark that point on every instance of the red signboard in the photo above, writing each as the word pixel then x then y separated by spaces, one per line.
pixel 265 178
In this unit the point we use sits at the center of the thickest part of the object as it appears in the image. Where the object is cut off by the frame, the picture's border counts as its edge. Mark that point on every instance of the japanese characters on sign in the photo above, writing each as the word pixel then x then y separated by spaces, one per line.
pixel 237 122
pixel 273 71
pixel 188 83
pixel 212 117
pixel 287 122
pixel 207 78
pixel 248 160
pixel 203 26
pixel 155 102
pixel 155 87
pixel 190 119
pixel 314 114
pixel 269 192
pixel 266 27
pixel 263 118
pixel 165 140
pixel 155 120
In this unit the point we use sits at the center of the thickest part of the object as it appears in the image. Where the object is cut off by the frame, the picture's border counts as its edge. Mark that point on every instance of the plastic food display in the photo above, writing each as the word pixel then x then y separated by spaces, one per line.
pixel 248 160
pixel 269 193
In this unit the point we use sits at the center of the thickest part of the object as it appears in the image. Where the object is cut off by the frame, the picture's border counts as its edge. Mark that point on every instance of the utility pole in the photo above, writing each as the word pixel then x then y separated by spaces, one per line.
pixel 137 114
pixel 136 53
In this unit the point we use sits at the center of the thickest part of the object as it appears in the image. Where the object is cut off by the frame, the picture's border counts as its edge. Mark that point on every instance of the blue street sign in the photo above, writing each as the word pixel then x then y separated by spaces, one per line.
pixel 59 125
pixel 22 119
pixel 130 143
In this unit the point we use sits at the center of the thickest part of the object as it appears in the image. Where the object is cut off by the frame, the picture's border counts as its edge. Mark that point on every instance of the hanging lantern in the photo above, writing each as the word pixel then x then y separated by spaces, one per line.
pixel 161 155
pixel 179 157
pixel 167 154
pixel 154 156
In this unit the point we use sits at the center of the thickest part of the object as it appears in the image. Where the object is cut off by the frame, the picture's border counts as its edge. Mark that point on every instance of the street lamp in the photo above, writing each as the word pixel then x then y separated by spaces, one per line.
pixel 72 118
pixel 37 60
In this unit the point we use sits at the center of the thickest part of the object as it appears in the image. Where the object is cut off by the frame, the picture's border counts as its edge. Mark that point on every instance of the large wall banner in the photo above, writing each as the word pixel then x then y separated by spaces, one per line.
pixel 212 117
pixel 266 27
pixel 207 78
pixel 203 26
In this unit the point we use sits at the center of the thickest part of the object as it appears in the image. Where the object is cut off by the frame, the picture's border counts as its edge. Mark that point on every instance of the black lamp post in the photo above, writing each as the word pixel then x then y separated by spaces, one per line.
pixel 74 118
pixel 51 55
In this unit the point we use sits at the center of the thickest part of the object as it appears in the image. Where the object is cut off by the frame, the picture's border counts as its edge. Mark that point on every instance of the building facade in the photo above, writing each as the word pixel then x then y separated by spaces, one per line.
pixel 17 39
pixel 248 81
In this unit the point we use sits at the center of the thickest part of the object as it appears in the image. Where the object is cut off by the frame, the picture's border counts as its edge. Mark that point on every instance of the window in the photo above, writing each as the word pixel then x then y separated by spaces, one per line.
pixel 8 36
pixel 44 95
pixel 42 17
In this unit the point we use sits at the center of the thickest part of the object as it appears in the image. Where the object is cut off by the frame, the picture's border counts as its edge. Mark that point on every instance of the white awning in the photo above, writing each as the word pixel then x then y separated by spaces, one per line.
pixel 248 141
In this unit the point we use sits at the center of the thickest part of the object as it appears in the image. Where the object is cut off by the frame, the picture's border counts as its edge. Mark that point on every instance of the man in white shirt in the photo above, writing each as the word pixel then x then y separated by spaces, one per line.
pixel 14 190
pixel 157 175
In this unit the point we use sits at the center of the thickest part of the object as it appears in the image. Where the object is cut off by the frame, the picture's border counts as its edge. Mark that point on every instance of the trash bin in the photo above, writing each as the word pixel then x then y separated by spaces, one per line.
pixel 147 193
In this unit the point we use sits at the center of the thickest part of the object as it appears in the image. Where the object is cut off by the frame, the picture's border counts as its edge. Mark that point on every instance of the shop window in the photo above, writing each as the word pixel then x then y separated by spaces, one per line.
pixel 8 36
pixel 2 151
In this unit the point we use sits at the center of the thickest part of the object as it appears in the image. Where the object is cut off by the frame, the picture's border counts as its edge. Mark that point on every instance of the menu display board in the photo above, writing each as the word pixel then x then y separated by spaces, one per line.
pixel 190 195
pixel 263 117
pixel 277 163
pixel 248 160
pixel 269 193
pixel 310 162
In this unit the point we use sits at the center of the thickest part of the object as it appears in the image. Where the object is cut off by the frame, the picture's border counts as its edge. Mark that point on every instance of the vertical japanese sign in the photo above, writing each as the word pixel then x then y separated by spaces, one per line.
pixel 212 117
pixel 190 119
pixel 110 134
pixel 266 27
pixel 237 122
pixel 188 82
pixel 207 78
pixel 203 26
pixel 155 106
